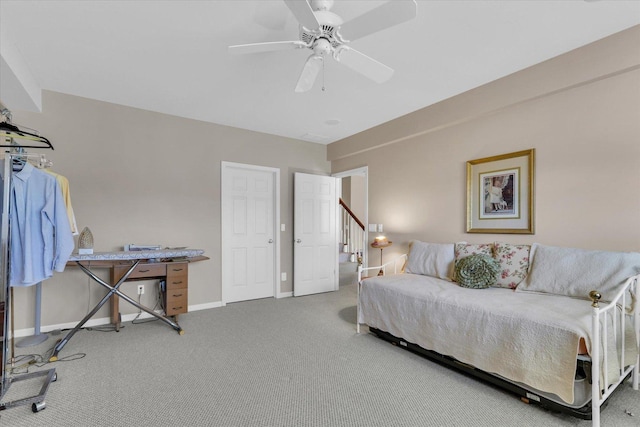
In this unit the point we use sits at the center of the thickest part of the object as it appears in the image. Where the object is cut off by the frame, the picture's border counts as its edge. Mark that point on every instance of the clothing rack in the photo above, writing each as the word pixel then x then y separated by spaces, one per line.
pixel 9 134
pixel 37 337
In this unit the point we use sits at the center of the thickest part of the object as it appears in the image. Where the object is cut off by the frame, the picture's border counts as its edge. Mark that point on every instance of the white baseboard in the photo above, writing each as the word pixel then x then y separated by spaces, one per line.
pixel 206 306
pixel 284 294
pixel 27 332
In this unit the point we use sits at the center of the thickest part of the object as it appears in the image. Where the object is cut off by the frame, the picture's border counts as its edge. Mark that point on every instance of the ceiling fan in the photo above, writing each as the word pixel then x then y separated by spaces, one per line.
pixel 323 32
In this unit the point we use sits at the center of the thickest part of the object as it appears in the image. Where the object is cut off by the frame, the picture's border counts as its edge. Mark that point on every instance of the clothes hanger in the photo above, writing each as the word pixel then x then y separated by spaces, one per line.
pixel 19 157
pixel 10 131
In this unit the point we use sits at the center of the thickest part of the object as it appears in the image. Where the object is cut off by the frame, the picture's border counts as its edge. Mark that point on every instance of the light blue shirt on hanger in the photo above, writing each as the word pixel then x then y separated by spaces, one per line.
pixel 41 239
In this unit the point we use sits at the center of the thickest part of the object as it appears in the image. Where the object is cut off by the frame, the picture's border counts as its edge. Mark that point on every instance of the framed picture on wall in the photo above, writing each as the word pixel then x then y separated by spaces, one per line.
pixel 500 194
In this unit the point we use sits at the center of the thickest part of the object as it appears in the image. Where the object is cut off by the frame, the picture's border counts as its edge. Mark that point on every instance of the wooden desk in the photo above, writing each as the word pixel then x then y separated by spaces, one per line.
pixel 147 264
pixel 176 290
pixel 175 296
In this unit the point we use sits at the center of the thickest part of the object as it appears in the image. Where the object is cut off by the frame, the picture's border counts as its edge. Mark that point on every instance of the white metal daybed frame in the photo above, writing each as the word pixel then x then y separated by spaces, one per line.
pixel 600 333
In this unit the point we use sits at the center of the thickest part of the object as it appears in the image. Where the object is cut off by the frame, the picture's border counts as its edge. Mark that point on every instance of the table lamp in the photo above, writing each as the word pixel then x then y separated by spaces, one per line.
pixel 381 242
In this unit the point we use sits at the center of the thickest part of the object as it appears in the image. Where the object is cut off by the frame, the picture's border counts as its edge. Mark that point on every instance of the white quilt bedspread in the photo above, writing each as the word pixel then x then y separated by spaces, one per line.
pixel 528 338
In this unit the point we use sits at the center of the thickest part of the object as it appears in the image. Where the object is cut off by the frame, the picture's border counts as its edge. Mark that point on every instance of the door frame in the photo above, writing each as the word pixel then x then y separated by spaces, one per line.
pixel 364 172
pixel 224 166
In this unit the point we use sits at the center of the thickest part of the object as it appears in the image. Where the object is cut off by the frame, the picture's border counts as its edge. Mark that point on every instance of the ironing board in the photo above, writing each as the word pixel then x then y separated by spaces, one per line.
pixel 135 257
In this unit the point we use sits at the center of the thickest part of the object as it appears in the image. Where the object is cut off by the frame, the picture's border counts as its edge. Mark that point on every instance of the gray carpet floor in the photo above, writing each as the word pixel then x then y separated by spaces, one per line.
pixel 287 362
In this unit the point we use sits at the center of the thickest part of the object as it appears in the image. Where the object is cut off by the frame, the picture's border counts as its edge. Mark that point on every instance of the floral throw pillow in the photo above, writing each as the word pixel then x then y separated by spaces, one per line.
pixel 514 264
pixel 464 249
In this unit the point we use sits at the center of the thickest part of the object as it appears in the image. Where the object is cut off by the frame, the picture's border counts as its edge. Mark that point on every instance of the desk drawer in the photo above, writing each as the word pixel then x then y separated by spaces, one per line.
pixel 142 270
pixel 177 269
pixel 176 302
pixel 149 270
pixel 177 275
pixel 177 282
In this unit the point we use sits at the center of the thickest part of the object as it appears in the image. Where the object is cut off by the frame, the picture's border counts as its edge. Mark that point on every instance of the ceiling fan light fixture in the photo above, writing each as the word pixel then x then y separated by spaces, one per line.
pixel 322 46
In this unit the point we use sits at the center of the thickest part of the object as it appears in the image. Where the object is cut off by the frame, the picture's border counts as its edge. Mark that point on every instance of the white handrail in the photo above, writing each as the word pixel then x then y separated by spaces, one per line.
pixel 352 235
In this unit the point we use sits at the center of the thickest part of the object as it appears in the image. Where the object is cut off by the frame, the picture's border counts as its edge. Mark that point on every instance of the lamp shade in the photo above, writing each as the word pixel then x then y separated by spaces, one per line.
pixel 381 242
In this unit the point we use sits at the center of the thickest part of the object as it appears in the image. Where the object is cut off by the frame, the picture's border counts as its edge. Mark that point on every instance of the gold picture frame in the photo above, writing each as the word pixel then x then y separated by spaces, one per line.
pixel 500 194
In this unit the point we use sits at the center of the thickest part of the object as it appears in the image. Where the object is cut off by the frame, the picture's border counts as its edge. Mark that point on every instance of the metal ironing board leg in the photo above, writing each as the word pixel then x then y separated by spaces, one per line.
pixel 127 298
pixel 136 257
pixel 112 290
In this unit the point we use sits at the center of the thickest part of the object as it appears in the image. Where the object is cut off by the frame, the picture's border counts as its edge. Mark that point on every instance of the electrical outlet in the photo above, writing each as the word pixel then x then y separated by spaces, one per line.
pixel 283 277
pixel 140 289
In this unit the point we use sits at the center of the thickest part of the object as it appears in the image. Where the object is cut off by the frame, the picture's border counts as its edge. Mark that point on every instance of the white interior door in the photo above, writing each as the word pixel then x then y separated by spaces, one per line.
pixel 315 255
pixel 248 231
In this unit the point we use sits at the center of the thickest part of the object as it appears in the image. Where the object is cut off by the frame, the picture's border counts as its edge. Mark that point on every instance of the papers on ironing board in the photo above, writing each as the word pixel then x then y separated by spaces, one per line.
pixel 133 255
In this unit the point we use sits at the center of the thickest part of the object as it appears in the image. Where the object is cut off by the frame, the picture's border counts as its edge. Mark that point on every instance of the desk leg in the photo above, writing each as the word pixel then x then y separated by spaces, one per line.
pixel 112 291
pixel 116 319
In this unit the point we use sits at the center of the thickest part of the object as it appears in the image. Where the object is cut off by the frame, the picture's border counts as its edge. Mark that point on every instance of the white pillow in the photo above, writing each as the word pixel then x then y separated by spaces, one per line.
pixel 576 272
pixel 431 259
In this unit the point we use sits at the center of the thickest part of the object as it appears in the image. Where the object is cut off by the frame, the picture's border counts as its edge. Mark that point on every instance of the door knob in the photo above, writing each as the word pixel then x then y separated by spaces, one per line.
pixel 298 241
pixel 270 240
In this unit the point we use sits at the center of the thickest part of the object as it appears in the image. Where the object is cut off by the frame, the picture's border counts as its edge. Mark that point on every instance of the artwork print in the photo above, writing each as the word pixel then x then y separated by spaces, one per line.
pixel 499 194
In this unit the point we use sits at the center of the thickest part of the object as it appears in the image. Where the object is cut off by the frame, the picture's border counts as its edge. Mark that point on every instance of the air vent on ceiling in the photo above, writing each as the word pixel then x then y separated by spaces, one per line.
pixel 311 137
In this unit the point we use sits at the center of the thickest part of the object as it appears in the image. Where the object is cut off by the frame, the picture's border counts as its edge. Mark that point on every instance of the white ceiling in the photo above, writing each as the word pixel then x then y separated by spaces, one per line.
pixel 171 56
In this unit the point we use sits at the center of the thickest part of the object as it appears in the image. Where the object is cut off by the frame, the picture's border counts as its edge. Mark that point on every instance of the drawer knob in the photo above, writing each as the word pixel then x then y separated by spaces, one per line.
pixel 177 308
pixel 177 269
pixel 177 295
pixel 143 271
pixel 178 282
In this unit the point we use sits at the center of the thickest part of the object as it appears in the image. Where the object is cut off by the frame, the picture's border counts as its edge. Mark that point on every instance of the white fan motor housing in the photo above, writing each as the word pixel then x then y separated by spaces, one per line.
pixel 324 39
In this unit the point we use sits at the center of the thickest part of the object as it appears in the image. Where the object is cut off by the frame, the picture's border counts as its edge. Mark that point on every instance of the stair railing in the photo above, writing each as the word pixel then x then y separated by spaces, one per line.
pixel 352 233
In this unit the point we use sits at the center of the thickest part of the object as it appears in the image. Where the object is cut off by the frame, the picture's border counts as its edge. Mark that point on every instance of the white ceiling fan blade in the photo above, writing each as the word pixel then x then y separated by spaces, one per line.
pixel 309 73
pixel 303 13
pixel 358 61
pixel 389 14
pixel 265 47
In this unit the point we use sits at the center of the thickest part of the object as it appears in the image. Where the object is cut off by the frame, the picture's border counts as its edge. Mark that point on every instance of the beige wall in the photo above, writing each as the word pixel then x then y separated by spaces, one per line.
pixel 142 177
pixel 579 111
pixel 353 194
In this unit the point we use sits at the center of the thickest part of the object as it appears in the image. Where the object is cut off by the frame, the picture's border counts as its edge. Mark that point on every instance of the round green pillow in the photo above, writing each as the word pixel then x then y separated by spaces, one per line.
pixel 477 271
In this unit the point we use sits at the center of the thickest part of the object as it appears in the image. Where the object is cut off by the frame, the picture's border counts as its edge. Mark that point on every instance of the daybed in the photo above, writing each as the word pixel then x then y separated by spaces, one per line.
pixel 516 315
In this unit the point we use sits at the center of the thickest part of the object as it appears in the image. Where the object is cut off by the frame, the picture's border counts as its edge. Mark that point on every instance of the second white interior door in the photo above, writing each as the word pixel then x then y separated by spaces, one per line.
pixel 315 253
pixel 248 231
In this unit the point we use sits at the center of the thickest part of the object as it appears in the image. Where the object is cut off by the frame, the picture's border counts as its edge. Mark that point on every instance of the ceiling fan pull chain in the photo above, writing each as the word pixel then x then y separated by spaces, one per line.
pixel 323 72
